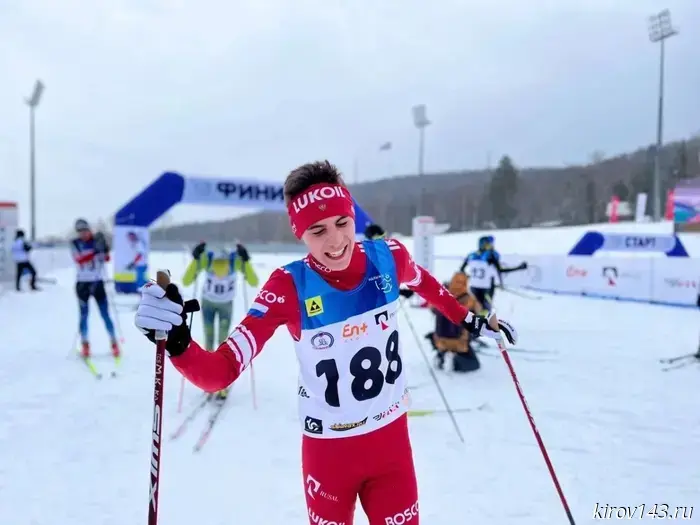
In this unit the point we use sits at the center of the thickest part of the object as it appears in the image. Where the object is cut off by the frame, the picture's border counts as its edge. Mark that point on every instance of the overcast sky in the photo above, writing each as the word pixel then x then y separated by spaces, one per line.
pixel 252 88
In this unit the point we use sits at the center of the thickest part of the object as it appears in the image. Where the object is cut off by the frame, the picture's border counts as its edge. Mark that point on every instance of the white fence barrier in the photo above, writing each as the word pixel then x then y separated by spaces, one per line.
pixel 652 268
pixel 664 280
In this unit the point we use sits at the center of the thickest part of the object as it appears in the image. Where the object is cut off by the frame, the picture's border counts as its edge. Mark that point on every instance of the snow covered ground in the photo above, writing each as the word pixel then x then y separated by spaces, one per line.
pixel 76 451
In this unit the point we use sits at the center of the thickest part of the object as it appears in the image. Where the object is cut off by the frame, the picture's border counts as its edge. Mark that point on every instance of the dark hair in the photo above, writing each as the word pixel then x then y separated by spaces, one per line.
pixel 309 174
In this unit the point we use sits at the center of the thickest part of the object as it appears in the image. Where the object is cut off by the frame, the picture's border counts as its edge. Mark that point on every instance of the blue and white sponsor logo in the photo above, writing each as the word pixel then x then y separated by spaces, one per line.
pixel 322 341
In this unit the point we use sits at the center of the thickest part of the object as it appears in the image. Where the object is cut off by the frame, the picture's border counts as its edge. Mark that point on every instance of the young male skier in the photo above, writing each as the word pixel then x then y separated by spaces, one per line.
pixel 340 305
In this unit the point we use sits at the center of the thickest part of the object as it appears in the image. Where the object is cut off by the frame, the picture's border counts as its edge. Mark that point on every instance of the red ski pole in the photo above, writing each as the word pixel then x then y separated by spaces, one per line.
pixel 506 357
pixel 163 280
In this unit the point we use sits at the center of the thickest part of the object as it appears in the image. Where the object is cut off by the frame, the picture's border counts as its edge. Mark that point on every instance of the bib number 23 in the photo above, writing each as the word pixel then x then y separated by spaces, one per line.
pixel 367 380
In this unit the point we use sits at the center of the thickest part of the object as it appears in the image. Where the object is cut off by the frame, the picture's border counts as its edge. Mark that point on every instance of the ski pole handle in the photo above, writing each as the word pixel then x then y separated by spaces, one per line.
pixel 163 280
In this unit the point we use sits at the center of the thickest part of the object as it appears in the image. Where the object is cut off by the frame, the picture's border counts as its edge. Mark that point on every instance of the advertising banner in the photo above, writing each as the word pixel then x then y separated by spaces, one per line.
pixel 8 227
pixel 233 192
pixel 172 188
pixel 666 280
pixel 686 206
pixel 675 281
pixel 131 246
pixel 621 278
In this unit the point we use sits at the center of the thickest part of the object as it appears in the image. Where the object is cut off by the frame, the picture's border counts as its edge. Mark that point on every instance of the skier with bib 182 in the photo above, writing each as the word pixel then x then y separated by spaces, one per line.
pixel 340 305
pixel 220 269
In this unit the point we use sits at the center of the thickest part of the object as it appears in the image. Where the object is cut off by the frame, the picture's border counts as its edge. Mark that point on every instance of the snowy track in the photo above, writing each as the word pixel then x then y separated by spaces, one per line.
pixel 619 430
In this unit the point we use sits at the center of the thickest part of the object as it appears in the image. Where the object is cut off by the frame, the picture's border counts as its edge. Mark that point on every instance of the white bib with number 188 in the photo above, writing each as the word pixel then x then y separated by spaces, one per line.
pixel 351 374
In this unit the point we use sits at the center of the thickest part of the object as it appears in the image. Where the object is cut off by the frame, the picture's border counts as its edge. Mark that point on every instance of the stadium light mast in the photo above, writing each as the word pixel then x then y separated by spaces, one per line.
pixel 420 121
pixel 660 28
pixel 33 103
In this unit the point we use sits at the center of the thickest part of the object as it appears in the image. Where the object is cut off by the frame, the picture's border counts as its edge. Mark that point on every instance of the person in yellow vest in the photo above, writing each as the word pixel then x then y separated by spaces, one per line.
pixel 218 290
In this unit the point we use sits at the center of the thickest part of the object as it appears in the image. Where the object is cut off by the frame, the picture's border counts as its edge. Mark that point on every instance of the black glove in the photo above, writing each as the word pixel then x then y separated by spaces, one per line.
pixel 101 245
pixel 405 292
pixel 475 325
pixel 179 338
pixel 242 253
pixel 478 326
pixel 198 250
pixel 522 265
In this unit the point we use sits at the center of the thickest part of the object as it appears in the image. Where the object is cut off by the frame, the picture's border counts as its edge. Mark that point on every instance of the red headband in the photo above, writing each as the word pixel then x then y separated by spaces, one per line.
pixel 319 202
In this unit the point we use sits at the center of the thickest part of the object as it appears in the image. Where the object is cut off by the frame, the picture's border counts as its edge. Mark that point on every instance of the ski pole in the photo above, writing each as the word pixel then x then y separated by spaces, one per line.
pixel 545 455
pixel 252 371
pixel 520 293
pixel 74 346
pixel 670 360
pixel 448 408
pixel 181 395
pixel 163 280
pixel 110 303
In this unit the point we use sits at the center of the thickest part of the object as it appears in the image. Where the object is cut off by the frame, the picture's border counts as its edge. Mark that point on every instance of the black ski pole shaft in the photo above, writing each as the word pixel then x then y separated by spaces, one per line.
pixel 448 408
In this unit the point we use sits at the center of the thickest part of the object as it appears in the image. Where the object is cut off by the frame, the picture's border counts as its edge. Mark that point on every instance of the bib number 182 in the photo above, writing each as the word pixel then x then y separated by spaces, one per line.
pixel 367 382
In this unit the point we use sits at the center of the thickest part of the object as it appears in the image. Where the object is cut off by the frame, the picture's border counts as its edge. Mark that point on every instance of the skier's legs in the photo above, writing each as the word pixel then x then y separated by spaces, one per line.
pixel 225 311
pixel 32 273
pixel 330 483
pixel 100 296
pixel 208 318
pixel 21 266
pixel 389 495
pixel 483 296
pixel 82 291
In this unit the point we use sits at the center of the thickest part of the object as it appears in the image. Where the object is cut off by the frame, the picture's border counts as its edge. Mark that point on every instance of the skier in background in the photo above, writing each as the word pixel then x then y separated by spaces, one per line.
pixel 90 252
pixel 219 290
pixel 340 305
pixel 20 254
pixel 483 267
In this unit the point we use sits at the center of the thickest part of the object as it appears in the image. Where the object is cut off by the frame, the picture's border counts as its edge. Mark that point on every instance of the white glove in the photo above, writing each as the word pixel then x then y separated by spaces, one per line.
pixel 155 311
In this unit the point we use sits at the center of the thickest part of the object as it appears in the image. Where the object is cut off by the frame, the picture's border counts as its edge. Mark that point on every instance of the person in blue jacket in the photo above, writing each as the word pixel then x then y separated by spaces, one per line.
pixel 486 257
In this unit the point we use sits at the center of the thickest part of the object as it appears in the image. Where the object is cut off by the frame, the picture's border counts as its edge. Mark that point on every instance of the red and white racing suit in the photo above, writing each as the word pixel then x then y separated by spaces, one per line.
pixel 366 452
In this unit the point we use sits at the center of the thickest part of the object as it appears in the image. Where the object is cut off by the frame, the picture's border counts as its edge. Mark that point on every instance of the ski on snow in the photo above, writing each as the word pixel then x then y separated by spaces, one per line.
pixel 680 361
pixel 94 370
pixel 190 417
pixel 430 412
pixel 211 422
pixel 215 414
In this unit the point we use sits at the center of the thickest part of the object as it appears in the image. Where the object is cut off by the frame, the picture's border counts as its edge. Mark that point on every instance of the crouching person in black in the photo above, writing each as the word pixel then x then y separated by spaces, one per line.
pixel 452 338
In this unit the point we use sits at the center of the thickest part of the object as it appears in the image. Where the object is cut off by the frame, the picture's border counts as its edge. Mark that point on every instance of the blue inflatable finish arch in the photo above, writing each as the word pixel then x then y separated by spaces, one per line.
pixel 131 222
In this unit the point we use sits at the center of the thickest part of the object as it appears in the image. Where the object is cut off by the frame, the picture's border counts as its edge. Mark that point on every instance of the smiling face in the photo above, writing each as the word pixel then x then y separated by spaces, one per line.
pixel 331 241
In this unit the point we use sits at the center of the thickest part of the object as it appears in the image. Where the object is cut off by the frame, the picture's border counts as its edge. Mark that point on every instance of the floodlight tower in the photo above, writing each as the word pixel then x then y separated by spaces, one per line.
pixel 660 28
